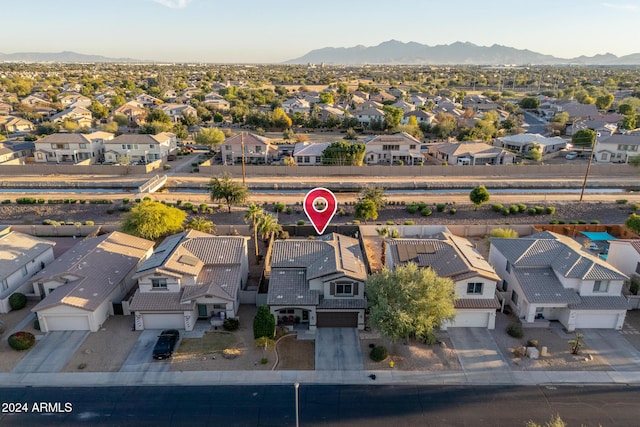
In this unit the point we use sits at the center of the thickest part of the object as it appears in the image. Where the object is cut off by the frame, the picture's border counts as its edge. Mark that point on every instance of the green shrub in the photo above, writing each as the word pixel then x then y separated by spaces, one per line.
pixel 522 207
pixel 554 221
pixel 539 209
pixel 125 201
pixel 22 340
pixel 594 221
pixel 412 208
pixel 6 202
pixel 203 207
pixel 146 199
pixel 100 201
pixel 17 301
pixel 561 221
pixel 421 205
pixel 505 211
pixel 264 361
pixel 82 201
pixel 635 207
pixel 426 212
pixel 378 353
pixel 582 221
pixel 573 222
pixel 89 223
pixel 124 208
pixel 390 223
pixel 264 323
pixel 622 201
pixel 300 222
pixel 26 201
pixel 440 207
pixel 187 206
pixel 110 211
pixel 452 211
pixel 515 330
pixel 550 210
pixel 40 201
pixel 506 233
pixel 514 209
pixel 50 222
pixel 531 211
pixel 231 324
pixel 409 222
pixel 289 210
pixel 497 207
pixel 532 343
pixel 278 207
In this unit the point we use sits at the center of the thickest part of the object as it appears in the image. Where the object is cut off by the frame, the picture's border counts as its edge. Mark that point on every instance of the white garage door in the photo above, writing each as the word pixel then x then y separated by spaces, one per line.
pixel 596 320
pixel 477 319
pixel 163 321
pixel 67 323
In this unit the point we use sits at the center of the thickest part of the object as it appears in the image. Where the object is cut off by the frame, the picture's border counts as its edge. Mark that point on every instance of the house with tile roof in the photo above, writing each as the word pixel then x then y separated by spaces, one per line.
pixel 190 276
pixel 137 147
pixel 78 114
pixel 178 111
pixel 624 254
pixel 523 142
pixel 257 149
pixel 13 124
pixel 80 287
pixel 547 276
pixel 457 259
pixel 471 153
pixel 317 283
pixel 16 152
pixel 617 148
pixel 393 149
pixel 21 256
pixel 420 115
pixel 309 153
pixel 296 105
pixel 72 147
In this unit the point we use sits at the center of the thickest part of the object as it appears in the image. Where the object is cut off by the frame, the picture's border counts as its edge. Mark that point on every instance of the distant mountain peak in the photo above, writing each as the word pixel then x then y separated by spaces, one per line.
pixel 64 56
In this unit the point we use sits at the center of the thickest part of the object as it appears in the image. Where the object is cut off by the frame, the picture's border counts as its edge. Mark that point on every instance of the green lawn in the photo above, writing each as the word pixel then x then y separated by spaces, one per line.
pixel 211 342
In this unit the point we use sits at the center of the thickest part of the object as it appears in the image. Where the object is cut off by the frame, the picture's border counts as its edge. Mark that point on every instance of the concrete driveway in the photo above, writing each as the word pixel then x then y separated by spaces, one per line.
pixel 141 359
pixel 338 349
pixel 477 350
pixel 52 352
pixel 612 347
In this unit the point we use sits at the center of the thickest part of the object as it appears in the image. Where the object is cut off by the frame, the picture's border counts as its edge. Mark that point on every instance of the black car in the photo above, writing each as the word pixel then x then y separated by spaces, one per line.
pixel 166 343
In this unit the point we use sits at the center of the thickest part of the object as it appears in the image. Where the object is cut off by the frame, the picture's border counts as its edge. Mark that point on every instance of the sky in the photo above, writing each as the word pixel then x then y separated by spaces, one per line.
pixel 272 31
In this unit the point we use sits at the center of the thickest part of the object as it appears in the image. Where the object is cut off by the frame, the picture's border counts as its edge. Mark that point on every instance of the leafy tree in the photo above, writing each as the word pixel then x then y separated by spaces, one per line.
pixel 629 122
pixel 158 115
pixel 626 109
pixel 392 116
pixel 111 127
pixel 117 101
pixel 254 212
pixel 634 160
pixel 326 98
pixel 121 119
pixel 584 138
pixel 555 421
pixel 561 118
pixel 264 323
pixel 375 194
pixel 507 233
pixel 98 110
pixel 180 130
pixel 225 188
pixel 217 117
pixel 366 209
pixel 201 224
pixel 479 195
pixel 445 125
pixel 288 134
pixel 210 137
pixel 155 127
pixel 633 223
pixel 280 119
pixel 603 102
pixel 342 153
pixel 151 220
pixel 410 301
pixel 529 103
pixel 351 134
pixel 189 119
pixel 535 152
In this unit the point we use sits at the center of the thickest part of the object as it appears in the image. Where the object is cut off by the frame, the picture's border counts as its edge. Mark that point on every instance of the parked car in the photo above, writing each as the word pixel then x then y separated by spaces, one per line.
pixel 594 246
pixel 572 155
pixel 166 343
pixel 171 157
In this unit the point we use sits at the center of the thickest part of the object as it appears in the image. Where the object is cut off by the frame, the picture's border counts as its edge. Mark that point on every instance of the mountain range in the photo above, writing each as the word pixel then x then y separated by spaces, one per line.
pixel 68 57
pixel 463 53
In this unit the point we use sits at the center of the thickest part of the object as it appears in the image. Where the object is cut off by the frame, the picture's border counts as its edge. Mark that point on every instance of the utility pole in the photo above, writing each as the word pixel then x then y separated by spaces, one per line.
pixel 244 177
pixel 297 385
pixel 586 175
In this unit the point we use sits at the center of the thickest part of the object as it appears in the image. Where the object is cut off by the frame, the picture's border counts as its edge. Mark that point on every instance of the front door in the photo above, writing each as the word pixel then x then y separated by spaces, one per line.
pixel 202 311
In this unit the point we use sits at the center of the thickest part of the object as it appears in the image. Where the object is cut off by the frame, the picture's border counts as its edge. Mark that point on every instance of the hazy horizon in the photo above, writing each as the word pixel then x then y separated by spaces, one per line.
pixel 253 31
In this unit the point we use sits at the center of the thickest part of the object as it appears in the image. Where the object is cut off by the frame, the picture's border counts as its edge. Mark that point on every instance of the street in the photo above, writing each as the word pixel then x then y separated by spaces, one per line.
pixel 326 405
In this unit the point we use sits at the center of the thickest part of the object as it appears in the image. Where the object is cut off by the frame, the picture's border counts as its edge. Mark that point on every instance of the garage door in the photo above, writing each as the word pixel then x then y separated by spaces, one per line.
pixel 67 323
pixel 471 320
pixel 163 321
pixel 337 320
pixel 596 320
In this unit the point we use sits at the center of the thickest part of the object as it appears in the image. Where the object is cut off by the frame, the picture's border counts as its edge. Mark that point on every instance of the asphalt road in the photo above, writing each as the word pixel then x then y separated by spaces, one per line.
pixel 532 124
pixel 608 406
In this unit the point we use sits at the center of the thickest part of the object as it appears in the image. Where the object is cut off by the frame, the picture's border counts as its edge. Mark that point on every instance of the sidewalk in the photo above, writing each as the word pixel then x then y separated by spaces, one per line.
pixel 382 377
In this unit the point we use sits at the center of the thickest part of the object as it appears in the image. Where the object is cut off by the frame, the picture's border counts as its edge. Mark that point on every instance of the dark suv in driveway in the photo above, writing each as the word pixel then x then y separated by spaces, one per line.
pixel 166 343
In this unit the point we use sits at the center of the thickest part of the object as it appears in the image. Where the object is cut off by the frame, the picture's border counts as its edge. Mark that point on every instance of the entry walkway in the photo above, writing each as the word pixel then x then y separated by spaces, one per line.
pixel 477 350
pixel 52 352
pixel 338 349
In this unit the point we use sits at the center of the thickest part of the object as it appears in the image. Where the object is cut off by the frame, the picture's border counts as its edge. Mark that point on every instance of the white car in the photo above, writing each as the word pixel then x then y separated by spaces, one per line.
pixel 572 155
pixel 594 247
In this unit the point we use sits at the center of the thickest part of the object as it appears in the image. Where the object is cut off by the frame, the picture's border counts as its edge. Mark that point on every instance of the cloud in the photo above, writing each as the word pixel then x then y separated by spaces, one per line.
pixel 621 6
pixel 174 4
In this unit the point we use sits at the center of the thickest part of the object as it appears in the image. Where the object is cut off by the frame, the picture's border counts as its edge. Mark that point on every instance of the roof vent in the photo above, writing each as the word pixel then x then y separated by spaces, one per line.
pixel 300 296
pixel 279 297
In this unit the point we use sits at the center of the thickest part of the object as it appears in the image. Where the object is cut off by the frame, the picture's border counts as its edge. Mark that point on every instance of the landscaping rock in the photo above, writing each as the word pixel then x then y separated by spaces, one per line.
pixel 533 353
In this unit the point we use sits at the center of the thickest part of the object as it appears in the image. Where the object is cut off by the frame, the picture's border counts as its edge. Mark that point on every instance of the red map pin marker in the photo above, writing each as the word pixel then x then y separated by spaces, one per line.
pixel 320 218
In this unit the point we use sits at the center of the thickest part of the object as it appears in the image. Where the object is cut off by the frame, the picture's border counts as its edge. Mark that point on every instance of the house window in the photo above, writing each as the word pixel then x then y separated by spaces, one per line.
pixel 505 286
pixel 5 284
pixel 390 147
pixel 258 149
pixel 605 156
pixel 158 283
pixel 344 289
pixel 24 271
pixel 474 288
pixel 306 159
pixel 514 298
pixel 508 268
pixel 638 268
pixel 60 146
pixel 318 159
pixel 39 156
pixel 412 147
pixel 227 147
pixel 151 146
pixel 600 286
pixel 83 145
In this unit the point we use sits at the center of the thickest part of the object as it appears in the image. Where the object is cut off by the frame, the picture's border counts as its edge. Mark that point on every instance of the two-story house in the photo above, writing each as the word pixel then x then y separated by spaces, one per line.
pixel 296 105
pixel 72 147
pixel 393 149
pixel 217 101
pixel 190 276
pixel 547 276
pixel 457 259
pixel 148 101
pixel 421 116
pixel 79 115
pixel 80 287
pixel 16 152
pixel 624 254
pixel 177 111
pixel 140 147
pixel 617 148
pixel 13 124
pixel 133 111
pixel 21 256
pixel 257 149
pixel 317 283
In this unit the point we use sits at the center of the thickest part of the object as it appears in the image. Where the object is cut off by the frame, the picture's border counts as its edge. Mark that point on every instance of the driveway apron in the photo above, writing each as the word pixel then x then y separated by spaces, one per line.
pixel 52 352
pixel 338 349
pixel 141 359
pixel 612 347
pixel 477 350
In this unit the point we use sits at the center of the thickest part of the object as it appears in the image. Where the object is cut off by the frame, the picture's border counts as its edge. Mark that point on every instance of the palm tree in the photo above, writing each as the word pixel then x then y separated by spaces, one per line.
pixel 253 215
pixel 267 225
pixel 201 224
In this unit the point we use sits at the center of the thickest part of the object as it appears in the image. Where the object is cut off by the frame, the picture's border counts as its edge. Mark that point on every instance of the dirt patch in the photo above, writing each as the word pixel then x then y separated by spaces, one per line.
pixel 296 355
pixel 412 355
pixel 559 356
pixel 9 357
pixel 107 349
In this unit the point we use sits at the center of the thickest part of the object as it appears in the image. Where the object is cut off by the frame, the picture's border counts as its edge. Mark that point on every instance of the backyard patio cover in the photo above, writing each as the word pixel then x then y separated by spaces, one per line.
pixel 596 236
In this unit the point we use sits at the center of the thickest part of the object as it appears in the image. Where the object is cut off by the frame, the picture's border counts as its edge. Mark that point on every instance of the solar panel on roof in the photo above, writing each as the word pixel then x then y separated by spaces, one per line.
pixel 425 248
